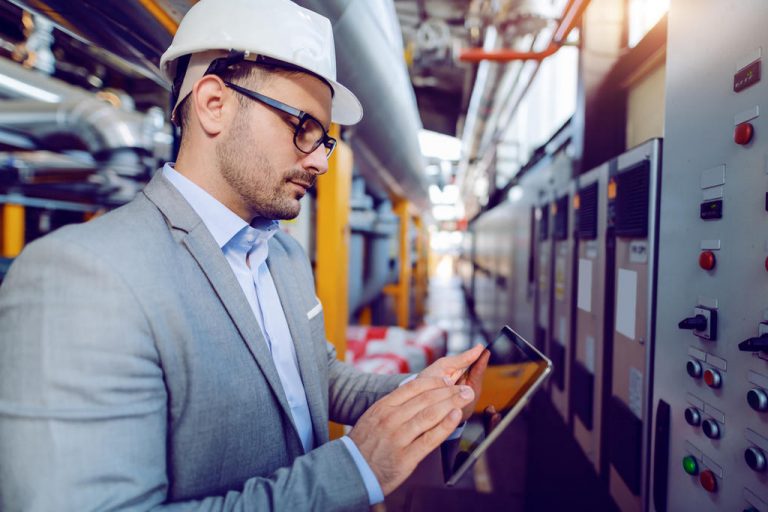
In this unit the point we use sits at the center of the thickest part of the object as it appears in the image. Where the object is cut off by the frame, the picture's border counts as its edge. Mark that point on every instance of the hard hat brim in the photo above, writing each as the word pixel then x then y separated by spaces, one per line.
pixel 346 108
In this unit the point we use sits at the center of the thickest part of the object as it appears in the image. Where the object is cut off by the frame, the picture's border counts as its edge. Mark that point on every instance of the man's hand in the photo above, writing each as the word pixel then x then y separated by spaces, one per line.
pixel 398 431
pixel 453 367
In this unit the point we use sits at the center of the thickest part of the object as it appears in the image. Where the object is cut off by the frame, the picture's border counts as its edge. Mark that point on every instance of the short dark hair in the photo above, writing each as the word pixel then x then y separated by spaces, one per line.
pixel 249 73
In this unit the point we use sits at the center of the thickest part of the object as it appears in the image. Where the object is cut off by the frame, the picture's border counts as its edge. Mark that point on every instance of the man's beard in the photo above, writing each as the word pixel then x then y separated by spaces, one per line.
pixel 251 175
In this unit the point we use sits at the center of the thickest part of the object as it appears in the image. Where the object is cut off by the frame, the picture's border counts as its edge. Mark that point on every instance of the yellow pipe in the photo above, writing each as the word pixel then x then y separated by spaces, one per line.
pixel 12 226
pixel 160 15
pixel 402 297
pixel 332 261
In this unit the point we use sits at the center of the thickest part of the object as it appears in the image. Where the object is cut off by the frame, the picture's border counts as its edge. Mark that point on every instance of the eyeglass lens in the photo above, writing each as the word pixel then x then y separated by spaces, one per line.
pixel 310 135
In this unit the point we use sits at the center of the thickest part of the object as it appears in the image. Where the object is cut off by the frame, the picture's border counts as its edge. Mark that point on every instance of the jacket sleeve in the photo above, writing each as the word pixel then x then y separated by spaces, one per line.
pixel 352 391
pixel 83 405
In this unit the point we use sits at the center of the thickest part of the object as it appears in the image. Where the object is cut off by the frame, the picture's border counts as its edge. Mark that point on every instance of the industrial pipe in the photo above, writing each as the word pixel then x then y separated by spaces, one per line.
pixel 572 12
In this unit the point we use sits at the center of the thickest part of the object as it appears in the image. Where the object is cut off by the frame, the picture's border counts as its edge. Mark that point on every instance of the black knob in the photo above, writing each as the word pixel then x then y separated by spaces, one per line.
pixel 755 459
pixel 695 323
pixel 711 428
pixel 693 367
pixel 758 344
pixel 692 416
pixel 757 399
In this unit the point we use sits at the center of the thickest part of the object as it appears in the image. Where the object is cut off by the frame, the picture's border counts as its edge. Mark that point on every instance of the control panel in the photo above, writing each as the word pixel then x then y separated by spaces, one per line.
pixel 591 371
pixel 561 295
pixel 632 230
pixel 710 388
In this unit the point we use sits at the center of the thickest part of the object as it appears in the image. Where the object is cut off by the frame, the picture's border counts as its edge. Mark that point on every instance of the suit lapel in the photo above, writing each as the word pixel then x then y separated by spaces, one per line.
pixel 290 293
pixel 204 249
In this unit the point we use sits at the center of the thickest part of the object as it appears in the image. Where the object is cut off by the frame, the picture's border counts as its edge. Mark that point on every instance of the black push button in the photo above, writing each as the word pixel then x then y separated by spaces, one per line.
pixel 755 459
pixel 757 399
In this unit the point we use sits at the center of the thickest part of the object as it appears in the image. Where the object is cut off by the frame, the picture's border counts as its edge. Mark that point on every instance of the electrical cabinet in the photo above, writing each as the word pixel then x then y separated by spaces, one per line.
pixel 710 435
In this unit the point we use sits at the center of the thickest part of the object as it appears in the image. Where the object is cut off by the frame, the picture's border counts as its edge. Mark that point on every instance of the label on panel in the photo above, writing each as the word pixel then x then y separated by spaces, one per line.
pixel 638 251
pixel 626 303
pixel 585 285
pixel 560 277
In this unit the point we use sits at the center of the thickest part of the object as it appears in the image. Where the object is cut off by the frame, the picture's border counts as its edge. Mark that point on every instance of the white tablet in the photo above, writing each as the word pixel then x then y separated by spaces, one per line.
pixel 515 371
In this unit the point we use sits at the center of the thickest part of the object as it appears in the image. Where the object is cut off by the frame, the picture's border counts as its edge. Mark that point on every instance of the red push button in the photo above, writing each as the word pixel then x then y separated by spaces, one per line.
pixel 708 481
pixel 743 133
pixel 712 378
pixel 766 264
pixel 707 260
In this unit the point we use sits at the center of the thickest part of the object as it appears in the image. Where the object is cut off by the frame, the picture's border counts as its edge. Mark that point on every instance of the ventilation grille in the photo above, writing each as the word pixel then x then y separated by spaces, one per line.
pixel 632 188
pixel 560 231
pixel 587 227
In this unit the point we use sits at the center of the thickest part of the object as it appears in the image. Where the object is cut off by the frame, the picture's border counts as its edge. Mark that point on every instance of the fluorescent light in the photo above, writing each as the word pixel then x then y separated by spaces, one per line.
pixel 30 91
pixel 437 145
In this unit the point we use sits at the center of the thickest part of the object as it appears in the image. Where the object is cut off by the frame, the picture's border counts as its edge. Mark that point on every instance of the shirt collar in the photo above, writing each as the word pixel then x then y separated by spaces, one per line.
pixel 223 223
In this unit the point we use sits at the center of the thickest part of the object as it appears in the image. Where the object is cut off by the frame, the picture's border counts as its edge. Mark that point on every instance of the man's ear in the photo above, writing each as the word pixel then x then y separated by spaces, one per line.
pixel 212 104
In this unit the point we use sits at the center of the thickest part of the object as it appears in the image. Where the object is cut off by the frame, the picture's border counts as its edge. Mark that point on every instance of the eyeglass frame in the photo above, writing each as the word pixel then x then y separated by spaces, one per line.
pixel 303 117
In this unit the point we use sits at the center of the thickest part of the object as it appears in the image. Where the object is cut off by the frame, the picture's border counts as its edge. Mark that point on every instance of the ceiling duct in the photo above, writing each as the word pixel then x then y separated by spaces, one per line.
pixel 370 62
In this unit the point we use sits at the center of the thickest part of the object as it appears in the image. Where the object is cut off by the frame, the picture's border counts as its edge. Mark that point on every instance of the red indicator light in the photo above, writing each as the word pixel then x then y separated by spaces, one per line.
pixel 707 260
pixel 708 481
pixel 712 378
pixel 743 133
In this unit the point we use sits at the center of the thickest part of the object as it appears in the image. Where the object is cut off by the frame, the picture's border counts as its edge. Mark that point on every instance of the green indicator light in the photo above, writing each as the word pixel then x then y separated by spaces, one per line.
pixel 690 466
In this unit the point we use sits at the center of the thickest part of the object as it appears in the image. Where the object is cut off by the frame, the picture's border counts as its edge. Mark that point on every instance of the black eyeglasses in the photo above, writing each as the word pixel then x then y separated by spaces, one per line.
pixel 308 135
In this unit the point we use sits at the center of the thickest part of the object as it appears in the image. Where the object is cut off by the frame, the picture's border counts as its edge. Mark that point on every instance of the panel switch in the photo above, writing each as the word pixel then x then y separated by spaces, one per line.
pixel 703 323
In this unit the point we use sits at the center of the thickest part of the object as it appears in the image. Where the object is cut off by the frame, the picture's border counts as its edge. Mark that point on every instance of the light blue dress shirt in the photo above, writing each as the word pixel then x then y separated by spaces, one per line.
pixel 245 246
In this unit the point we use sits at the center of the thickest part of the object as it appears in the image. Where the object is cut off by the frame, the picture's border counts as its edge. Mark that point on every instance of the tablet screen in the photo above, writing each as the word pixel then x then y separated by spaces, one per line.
pixel 515 370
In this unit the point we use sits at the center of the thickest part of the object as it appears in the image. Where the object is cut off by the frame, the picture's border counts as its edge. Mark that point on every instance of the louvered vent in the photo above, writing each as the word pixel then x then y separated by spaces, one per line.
pixel 561 219
pixel 632 189
pixel 587 223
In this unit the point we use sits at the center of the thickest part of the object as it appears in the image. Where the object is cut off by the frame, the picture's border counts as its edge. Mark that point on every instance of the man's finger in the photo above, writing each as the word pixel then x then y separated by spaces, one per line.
pixel 465 358
pixel 462 361
pixel 476 373
pixel 425 411
pixel 412 389
pixel 432 438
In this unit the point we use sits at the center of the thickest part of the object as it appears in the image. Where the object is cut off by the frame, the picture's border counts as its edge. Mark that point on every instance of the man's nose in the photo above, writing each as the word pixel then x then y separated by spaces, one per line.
pixel 316 161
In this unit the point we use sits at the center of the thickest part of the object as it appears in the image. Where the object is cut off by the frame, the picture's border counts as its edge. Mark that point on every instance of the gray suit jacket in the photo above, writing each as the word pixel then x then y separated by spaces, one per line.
pixel 133 374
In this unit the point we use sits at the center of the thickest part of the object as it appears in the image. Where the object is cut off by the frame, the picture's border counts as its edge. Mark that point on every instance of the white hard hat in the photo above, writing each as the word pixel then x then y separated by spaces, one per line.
pixel 276 29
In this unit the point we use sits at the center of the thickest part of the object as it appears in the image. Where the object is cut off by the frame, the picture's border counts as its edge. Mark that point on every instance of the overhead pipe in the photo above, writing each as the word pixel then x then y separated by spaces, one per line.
pixel 571 14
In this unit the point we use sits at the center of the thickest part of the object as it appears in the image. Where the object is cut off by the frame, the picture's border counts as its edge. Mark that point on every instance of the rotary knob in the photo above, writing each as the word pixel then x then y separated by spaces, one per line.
pixel 755 459
pixel 757 399
pixel 711 428
pixel 692 416
pixel 693 367
pixel 712 378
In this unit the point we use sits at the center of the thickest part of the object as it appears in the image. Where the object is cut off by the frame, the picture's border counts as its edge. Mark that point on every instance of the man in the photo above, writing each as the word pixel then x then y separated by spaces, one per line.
pixel 172 353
